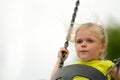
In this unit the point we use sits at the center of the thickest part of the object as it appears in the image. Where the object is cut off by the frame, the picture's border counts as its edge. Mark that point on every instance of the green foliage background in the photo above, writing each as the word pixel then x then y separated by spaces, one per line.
pixel 113 48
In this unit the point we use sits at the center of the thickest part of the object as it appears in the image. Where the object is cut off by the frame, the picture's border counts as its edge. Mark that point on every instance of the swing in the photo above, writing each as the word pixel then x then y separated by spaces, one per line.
pixel 70 71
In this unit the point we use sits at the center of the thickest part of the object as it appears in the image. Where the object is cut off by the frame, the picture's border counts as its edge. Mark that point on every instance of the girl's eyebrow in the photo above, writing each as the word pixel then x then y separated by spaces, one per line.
pixel 89 38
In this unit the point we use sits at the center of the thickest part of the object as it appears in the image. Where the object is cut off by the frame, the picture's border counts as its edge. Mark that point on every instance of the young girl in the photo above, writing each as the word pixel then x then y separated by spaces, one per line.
pixel 90 43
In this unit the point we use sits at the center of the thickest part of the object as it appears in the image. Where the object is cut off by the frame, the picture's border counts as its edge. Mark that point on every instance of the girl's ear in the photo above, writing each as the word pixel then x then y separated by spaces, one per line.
pixel 102 51
pixel 103 46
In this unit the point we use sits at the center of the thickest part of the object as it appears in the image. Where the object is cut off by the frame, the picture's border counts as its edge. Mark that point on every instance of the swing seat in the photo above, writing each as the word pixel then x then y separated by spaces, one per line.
pixel 70 71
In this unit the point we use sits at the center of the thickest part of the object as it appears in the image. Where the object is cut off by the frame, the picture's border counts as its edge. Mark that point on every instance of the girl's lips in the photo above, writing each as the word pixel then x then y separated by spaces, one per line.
pixel 83 51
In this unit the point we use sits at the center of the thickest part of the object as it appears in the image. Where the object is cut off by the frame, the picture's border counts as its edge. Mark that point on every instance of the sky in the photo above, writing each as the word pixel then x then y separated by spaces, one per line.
pixel 32 31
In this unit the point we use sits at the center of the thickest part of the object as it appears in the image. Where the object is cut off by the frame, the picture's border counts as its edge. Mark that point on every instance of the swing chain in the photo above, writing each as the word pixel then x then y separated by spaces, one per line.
pixel 117 64
pixel 66 44
pixel 72 20
pixel 117 61
pixel 75 11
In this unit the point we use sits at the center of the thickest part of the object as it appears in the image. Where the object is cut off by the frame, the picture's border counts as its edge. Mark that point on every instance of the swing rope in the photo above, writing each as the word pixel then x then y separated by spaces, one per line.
pixel 66 44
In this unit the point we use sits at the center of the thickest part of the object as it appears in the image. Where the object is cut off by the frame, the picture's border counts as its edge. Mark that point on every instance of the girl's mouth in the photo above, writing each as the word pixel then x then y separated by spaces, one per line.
pixel 83 51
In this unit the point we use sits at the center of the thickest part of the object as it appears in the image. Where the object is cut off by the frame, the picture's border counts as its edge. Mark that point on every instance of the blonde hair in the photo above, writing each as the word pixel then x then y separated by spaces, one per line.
pixel 98 30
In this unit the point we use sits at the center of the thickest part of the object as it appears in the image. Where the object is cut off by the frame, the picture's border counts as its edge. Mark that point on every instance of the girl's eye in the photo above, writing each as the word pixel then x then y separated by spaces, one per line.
pixel 90 41
pixel 79 41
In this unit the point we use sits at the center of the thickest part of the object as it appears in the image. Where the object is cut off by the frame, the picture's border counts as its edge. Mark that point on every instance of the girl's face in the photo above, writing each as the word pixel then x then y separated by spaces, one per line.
pixel 88 46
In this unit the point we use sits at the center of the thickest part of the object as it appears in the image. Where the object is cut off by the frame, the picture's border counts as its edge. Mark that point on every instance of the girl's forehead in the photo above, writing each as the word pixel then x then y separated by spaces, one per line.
pixel 86 33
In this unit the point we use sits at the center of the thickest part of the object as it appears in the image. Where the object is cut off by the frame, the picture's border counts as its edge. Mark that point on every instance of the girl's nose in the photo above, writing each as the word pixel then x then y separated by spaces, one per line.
pixel 83 44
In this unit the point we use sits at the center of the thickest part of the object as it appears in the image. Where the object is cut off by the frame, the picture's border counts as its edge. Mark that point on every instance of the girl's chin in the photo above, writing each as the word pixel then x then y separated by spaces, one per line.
pixel 84 59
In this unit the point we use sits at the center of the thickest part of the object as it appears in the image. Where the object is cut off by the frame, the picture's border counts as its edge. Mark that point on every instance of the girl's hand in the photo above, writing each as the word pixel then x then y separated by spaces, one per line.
pixel 63 49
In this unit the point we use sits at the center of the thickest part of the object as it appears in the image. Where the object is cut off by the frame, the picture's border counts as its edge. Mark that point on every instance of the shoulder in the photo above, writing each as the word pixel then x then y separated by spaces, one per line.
pixel 107 63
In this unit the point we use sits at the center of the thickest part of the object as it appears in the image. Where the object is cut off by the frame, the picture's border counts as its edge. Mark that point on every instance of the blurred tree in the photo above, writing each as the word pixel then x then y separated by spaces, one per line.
pixel 113 48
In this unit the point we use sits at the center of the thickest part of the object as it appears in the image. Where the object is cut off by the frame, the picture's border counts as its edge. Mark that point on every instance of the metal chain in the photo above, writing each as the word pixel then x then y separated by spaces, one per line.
pixel 66 44
pixel 72 21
